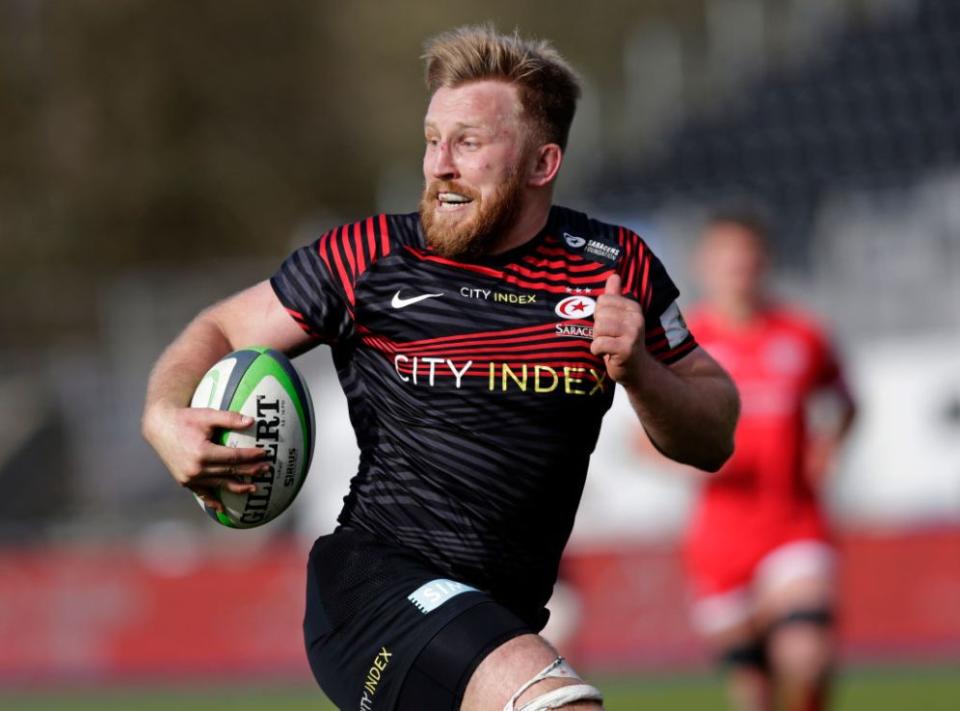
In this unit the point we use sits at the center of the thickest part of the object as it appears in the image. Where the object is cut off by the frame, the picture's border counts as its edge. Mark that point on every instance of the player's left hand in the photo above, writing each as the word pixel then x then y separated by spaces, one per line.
pixel 619 334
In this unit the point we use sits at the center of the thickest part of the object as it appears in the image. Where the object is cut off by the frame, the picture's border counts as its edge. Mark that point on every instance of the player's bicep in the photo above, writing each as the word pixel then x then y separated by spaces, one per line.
pixel 699 370
pixel 698 366
pixel 255 317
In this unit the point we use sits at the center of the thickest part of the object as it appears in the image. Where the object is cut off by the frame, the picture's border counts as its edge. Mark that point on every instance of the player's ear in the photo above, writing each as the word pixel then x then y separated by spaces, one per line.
pixel 546 162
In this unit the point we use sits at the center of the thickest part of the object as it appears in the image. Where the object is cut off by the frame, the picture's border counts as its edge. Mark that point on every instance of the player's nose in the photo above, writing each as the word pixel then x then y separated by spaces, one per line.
pixel 444 167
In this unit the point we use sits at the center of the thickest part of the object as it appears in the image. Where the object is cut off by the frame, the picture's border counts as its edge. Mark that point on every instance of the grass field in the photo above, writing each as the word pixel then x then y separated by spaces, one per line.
pixel 878 690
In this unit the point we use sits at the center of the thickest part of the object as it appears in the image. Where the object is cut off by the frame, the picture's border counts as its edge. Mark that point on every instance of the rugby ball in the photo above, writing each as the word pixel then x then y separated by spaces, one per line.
pixel 261 383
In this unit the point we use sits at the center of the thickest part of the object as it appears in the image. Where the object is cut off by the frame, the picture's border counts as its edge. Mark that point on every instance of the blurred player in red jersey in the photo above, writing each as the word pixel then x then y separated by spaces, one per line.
pixel 758 548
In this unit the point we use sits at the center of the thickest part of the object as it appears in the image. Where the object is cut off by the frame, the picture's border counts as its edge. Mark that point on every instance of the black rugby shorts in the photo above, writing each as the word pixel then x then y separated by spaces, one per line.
pixel 385 632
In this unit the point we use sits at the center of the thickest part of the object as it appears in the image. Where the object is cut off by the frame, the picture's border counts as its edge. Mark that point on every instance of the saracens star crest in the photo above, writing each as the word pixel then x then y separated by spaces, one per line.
pixel 576 307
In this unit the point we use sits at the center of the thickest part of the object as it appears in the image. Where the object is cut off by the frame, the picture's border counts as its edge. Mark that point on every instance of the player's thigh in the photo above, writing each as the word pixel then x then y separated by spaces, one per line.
pixel 797 607
pixel 508 668
pixel 796 581
pixel 811 596
pixel 726 620
pixel 800 621
pixel 801 652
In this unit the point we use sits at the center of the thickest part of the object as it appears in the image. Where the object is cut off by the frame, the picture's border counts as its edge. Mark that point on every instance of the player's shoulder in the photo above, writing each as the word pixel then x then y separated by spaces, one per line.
pixel 392 228
pixel 591 238
pixel 403 228
pixel 365 241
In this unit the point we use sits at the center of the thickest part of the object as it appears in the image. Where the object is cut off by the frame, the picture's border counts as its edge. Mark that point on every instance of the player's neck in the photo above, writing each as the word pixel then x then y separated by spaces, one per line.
pixel 533 216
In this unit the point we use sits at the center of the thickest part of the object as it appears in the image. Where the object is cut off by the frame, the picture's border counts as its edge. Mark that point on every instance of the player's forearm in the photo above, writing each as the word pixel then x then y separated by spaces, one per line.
pixel 182 365
pixel 689 418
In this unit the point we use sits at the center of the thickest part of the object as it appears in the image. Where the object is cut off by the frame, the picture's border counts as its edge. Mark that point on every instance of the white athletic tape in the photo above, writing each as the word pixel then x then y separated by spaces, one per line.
pixel 558 669
pixel 561 697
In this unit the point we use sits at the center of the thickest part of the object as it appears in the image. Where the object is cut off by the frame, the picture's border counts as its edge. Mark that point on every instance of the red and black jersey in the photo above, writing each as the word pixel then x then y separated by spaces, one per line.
pixel 471 387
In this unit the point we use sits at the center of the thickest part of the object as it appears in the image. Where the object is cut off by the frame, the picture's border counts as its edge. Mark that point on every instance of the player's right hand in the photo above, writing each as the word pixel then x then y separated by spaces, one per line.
pixel 182 438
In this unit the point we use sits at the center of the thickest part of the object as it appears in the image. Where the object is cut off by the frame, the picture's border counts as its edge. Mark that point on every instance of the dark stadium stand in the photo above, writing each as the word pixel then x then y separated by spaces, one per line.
pixel 876 107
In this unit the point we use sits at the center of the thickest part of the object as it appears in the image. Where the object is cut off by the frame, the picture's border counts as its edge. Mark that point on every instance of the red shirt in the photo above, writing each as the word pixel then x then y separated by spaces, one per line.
pixel 761 498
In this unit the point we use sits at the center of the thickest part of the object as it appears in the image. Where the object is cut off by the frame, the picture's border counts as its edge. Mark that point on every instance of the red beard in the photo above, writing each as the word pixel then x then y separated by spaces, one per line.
pixel 473 237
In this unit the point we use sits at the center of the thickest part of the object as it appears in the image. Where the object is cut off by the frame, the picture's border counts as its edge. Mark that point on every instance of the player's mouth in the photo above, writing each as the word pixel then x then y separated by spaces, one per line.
pixel 452 202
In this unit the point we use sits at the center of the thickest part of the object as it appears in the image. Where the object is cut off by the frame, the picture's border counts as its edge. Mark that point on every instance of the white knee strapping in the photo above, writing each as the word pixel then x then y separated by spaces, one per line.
pixel 558 669
pixel 559 698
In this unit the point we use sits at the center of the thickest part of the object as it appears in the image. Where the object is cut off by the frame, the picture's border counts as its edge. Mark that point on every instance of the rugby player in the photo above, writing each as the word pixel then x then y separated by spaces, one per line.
pixel 758 548
pixel 478 342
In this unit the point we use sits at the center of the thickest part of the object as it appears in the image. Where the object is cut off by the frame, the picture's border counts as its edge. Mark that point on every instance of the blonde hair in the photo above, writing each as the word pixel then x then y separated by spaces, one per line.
pixel 547 85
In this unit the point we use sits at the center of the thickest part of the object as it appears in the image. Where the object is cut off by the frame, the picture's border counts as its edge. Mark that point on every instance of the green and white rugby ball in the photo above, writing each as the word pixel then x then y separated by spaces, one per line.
pixel 261 383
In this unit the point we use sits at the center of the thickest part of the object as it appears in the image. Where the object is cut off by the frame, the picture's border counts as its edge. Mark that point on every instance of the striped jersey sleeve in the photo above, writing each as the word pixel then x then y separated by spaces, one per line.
pixel 646 280
pixel 317 284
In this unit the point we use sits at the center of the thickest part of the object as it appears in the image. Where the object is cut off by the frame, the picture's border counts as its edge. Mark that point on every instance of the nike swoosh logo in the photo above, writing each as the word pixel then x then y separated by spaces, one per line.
pixel 399 303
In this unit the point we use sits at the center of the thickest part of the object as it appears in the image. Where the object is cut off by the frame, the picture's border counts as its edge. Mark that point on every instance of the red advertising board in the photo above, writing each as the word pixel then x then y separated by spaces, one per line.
pixel 113 612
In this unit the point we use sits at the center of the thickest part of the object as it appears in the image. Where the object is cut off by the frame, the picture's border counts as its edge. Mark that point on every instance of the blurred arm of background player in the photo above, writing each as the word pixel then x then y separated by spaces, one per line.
pixel 689 409
pixel 833 414
pixel 181 434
